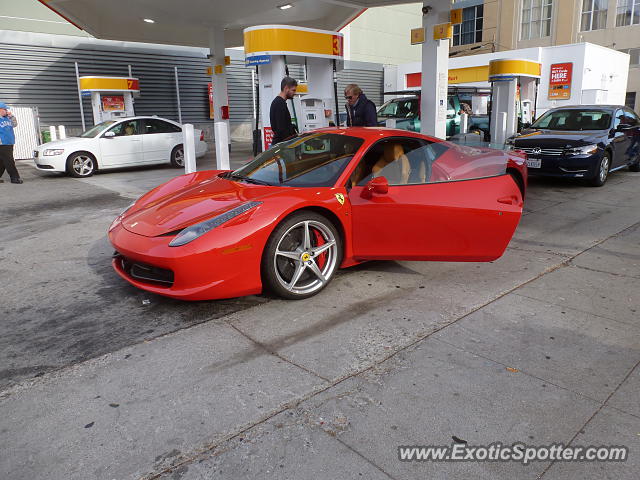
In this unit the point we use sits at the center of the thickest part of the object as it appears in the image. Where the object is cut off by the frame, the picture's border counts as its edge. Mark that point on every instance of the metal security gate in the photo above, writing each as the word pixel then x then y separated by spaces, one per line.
pixel 27 132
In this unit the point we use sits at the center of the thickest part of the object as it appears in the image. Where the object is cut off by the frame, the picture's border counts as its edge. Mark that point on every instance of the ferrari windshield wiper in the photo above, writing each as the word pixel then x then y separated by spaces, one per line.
pixel 243 178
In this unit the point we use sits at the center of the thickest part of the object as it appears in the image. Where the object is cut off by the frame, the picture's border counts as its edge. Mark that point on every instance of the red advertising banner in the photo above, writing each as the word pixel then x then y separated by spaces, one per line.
pixel 560 81
pixel 268 137
pixel 112 103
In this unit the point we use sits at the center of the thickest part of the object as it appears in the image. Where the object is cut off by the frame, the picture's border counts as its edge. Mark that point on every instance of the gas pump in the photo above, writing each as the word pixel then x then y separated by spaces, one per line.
pixel 514 84
pixel 274 48
pixel 111 97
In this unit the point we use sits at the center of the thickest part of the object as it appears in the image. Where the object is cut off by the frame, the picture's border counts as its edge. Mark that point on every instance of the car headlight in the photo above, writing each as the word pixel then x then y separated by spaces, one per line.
pixel 509 145
pixel 585 150
pixel 189 234
pixel 53 151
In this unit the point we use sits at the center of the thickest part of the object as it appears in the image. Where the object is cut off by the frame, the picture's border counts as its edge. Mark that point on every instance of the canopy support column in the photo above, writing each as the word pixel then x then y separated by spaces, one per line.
pixel 435 72
pixel 220 97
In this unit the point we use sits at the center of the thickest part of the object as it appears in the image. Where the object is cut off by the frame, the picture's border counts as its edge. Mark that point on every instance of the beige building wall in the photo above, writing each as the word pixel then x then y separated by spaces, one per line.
pixel 502 22
pixel 382 35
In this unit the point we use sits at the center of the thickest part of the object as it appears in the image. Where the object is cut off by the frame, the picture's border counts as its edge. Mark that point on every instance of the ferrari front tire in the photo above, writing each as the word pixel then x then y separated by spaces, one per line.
pixel 301 256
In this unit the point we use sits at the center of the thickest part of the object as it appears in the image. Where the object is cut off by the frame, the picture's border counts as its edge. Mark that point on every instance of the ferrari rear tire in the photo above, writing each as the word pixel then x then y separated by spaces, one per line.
pixel 81 165
pixel 177 156
pixel 301 256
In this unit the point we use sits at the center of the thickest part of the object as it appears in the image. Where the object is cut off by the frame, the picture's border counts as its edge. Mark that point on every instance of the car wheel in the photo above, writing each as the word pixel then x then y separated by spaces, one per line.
pixel 301 256
pixel 81 165
pixel 602 171
pixel 177 157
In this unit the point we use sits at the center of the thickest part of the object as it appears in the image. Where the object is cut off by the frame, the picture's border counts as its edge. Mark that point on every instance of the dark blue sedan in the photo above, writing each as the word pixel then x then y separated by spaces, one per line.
pixel 582 141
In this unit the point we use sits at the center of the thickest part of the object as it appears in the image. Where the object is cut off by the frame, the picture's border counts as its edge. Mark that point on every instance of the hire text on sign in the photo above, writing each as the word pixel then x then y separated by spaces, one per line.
pixel 560 81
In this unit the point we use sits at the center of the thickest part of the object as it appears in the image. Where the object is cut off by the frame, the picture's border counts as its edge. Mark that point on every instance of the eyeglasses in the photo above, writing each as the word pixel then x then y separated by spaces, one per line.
pixel 348 97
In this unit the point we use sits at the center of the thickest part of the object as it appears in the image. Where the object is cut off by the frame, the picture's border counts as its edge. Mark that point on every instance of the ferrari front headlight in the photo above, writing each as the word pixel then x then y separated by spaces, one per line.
pixel 189 234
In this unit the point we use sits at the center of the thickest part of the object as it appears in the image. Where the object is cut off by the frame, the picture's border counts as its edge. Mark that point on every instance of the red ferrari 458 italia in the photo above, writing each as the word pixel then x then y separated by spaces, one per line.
pixel 288 219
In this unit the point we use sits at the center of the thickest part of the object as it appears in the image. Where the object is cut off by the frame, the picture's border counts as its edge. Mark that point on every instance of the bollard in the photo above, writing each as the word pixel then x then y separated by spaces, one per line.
pixel 189 145
pixel 464 123
pixel 501 132
pixel 53 133
pixel 62 132
pixel 221 133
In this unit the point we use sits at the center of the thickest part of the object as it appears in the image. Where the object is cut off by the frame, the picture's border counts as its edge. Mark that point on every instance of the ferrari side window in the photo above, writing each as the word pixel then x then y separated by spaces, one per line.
pixel 401 161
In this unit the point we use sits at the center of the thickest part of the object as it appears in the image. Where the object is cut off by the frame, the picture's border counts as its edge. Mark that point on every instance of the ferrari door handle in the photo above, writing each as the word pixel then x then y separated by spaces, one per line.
pixel 509 200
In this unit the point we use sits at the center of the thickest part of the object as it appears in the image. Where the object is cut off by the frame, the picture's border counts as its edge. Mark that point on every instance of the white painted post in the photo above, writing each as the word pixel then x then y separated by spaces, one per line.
pixel 189 143
pixel 464 123
pixel 501 136
pixel 221 132
pixel 63 132
pixel 52 132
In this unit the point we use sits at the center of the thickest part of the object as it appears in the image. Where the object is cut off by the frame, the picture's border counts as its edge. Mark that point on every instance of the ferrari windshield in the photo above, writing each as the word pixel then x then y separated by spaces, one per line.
pixel 574 120
pixel 312 160
pixel 96 129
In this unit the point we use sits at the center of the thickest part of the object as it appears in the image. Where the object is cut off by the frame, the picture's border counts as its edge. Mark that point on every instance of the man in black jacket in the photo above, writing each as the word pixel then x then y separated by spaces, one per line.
pixel 361 112
pixel 279 114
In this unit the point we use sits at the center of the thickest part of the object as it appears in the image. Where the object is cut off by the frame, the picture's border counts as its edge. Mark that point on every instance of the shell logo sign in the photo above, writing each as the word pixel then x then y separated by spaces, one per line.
pixel 288 40
pixel 109 84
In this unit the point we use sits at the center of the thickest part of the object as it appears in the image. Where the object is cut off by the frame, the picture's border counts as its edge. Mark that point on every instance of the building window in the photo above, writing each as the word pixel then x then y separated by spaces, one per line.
pixel 630 100
pixel 470 30
pixel 628 13
pixel 536 19
pixel 634 54
pixel 594 15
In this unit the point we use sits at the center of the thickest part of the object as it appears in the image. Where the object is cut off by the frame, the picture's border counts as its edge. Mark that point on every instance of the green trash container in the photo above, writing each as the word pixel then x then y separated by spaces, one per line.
pixel 46 136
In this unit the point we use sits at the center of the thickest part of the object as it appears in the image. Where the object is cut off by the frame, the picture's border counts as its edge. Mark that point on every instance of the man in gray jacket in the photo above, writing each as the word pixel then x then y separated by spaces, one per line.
pixel 7 140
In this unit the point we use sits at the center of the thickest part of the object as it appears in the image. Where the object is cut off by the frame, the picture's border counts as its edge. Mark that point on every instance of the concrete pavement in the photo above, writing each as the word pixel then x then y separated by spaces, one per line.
pixel 541 346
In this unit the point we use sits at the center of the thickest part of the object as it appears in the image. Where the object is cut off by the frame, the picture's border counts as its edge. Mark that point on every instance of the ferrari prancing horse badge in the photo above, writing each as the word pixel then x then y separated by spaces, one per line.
pixel 340 198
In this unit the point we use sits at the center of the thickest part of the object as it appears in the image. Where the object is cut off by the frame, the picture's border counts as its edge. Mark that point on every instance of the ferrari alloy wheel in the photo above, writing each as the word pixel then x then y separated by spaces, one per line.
pixel 302 256
pixel 177 157
pixel 603 171
pixel 81 165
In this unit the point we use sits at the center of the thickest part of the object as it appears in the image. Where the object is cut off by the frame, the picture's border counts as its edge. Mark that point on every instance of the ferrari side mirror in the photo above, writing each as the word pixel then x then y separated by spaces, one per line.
pixel 378 185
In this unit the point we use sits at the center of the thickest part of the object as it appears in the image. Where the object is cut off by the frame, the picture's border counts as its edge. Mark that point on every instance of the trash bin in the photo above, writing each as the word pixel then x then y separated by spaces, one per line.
pixel 46 136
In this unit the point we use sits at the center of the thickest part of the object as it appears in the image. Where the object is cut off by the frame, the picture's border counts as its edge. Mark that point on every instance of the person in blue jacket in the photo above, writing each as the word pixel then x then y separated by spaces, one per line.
pixel 361 112
pixel 7 140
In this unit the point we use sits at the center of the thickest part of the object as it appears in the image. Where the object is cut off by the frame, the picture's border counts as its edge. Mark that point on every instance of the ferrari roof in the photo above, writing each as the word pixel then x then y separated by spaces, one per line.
pixel 187 22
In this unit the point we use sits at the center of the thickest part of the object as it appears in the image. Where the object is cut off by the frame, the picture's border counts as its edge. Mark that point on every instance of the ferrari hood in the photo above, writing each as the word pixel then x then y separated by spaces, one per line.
pixel 191 203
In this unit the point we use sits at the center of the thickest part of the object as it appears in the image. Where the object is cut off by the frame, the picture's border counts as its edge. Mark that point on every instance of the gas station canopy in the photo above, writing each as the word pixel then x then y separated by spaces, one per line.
pixel 188 22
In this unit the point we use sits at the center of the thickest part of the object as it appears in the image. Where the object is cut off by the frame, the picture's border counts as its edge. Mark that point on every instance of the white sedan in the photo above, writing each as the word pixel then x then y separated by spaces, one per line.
pixel 126 142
